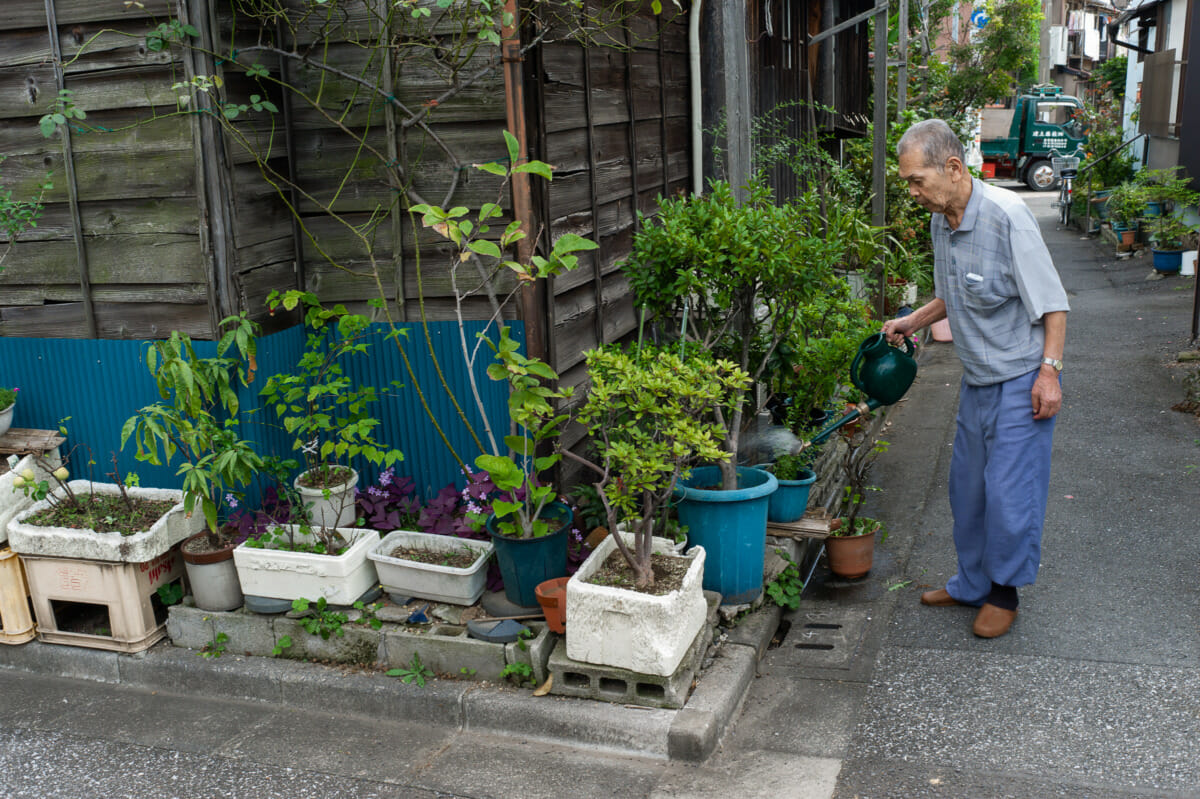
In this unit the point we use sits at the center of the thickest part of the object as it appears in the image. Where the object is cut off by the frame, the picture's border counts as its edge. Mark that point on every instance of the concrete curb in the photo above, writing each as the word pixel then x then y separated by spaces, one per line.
pixel 690 733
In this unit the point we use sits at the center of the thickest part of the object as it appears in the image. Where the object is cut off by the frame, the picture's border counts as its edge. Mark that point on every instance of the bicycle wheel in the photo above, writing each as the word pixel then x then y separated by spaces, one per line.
pixel 1064 204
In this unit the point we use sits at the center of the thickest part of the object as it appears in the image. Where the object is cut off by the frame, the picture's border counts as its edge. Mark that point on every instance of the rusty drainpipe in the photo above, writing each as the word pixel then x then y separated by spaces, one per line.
pixel 532 294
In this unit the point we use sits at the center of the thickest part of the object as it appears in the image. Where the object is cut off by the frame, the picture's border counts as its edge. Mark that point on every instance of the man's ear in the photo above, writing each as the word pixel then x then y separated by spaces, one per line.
pixel 956 168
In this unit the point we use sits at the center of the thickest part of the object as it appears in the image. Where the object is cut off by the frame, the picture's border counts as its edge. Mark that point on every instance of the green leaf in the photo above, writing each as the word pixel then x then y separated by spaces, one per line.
pixel 493 168
pixel 514 147
pixel 570 242
pixel 537 168
pixel 485 247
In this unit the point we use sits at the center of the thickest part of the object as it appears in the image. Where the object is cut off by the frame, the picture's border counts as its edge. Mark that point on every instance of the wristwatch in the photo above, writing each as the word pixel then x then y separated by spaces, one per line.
pixel 1055 362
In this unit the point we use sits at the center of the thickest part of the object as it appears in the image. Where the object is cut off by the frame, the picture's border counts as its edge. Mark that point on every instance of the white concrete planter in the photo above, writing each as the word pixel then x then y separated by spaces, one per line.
pixel 338 510
pixel 282 574
pixel 430 580
pixel 65 542
pixel 13 501
pixel 631 630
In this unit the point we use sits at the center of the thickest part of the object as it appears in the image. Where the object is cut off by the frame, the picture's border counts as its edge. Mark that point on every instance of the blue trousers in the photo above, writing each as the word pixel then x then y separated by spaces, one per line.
pixel 999 479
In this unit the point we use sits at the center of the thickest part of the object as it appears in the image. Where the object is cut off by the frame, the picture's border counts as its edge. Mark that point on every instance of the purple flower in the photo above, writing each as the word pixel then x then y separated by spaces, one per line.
pixel 231 500
pixel 386 476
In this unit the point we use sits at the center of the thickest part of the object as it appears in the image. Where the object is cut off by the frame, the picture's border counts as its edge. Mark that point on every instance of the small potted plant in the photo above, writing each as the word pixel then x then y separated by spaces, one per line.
pixel 198 421
pixel 1126 205
pixel 117 542
pixel 649 417
pixel 850 547
pixel 8 403
pixel 410 563
pixel 796 479
pixel 528 524
pixel 325 412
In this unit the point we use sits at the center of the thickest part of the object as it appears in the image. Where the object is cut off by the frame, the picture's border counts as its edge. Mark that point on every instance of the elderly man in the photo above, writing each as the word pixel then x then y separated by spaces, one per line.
pixel 995 283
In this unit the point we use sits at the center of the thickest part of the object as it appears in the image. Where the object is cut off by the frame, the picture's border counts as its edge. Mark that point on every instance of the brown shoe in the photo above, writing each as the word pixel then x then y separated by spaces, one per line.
pixel 993 622
pixel 939 599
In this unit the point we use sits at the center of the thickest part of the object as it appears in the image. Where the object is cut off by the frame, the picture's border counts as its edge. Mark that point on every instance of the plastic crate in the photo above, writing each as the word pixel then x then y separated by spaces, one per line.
pixel 16 622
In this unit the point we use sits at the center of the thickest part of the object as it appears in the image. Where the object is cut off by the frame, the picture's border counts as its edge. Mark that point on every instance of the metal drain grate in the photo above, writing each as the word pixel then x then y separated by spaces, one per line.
pixel 820 638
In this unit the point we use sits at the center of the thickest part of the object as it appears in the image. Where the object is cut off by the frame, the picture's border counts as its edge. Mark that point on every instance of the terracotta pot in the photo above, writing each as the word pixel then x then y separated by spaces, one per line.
pixel 552 596
pixel 850 556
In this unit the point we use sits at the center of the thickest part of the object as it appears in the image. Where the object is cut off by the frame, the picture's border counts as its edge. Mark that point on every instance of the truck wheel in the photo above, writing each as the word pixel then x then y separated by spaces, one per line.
pixel 1039 176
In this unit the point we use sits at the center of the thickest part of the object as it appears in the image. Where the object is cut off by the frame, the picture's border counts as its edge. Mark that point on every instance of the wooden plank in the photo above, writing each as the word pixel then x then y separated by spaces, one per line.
pixel 124 130
pixel 71 292
pixel 254 285
pixel 104 175
pixel 111 217
pixel 31 92
pixel 157 258
pixel 814 525
pixel 152 320
pixel 25 441
pixel 66 320
pixel 32 13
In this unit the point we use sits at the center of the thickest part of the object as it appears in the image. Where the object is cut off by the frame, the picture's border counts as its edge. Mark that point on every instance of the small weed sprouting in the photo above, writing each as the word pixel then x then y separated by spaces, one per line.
pixel 323 622
pixel 216 647
pixel 524 636
pixel 368 618
pixel 415 672
pixel 284 642
pixel 171 593
pixel 785 589
pixel 467 671
pixel 519 673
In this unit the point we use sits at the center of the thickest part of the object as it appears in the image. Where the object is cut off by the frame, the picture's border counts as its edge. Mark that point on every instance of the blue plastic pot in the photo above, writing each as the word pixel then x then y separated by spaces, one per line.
pixel 790 500
pixel 1168 260
pixel 731 526
pixel 526 562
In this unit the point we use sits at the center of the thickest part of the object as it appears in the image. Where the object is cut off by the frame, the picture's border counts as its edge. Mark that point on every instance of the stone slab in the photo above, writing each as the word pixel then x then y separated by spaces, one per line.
pixel 534 651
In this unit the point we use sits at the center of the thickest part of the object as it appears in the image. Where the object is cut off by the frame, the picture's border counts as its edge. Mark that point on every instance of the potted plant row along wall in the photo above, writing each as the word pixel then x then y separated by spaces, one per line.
pixel 435 567
pixel 294 561
pixel 634 603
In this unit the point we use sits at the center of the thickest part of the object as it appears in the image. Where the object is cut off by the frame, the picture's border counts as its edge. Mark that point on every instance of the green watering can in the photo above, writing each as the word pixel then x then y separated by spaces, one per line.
pixel 879 370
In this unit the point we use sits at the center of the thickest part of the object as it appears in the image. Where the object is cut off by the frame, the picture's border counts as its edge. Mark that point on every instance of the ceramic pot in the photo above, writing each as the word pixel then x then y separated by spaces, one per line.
pixel 212 576
pixel 850 556
pixel 336 510
pixel 552 596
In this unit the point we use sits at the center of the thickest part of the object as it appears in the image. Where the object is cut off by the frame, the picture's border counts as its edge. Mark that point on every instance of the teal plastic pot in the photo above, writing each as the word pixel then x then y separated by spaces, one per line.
pixel 790 500
pixel 731 526
pixel 1168 261
pixel 526 562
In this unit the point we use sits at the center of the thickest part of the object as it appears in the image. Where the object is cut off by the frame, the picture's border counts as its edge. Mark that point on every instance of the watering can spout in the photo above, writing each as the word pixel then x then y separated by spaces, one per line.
pixel 879 370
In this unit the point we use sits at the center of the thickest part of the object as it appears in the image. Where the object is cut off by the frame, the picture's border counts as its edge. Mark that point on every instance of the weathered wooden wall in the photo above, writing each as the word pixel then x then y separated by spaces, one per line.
pixel 118 253
pixel 174 224
pixel 614 122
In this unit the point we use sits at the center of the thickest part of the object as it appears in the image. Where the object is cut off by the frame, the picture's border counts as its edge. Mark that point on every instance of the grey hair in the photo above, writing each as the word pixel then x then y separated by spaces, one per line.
pixel 936 142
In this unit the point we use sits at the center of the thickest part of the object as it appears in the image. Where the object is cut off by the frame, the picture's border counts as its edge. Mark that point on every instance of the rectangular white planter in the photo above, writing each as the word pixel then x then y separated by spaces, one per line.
pixel 429 580
pixel 66 542
pixel 282 574
pixel 13 501
pixel 628 629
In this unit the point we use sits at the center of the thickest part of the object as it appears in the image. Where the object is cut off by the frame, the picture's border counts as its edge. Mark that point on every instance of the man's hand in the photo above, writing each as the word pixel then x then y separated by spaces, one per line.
pixel 1047 394
pixel 895 330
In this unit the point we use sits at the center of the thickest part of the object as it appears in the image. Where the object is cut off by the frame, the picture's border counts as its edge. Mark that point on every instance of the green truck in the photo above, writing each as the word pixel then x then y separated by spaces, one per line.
pixel 1016 140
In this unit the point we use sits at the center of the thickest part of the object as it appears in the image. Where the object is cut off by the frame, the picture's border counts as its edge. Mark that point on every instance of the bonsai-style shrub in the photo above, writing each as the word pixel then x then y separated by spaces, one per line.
pixel 732 279
pixel 650 415
pixel 857 461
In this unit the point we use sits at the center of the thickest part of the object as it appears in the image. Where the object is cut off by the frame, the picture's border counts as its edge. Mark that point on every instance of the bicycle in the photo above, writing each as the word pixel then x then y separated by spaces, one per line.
pixel 1066 169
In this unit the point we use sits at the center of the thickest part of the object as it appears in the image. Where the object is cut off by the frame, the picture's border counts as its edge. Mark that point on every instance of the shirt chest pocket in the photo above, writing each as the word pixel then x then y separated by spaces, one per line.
pixel 984 293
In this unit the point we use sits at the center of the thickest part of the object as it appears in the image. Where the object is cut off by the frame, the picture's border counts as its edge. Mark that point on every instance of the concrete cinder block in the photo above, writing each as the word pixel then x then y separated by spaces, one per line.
pixel 446 649
pixel 189 627
pixel 249 633
pixel 536 650
pixel 357 644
